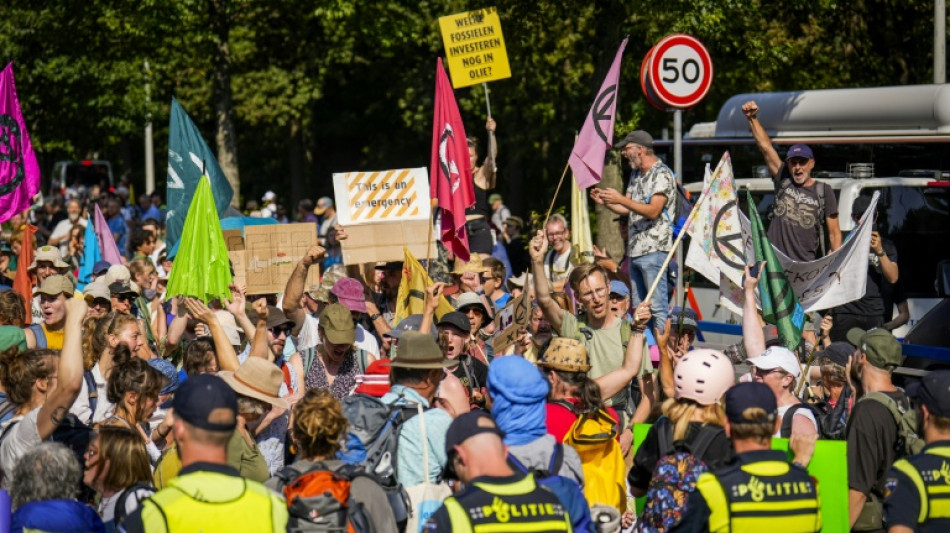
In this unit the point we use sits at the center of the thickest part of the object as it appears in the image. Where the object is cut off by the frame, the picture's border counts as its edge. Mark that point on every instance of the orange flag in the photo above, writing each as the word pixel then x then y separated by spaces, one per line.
pixel 22 281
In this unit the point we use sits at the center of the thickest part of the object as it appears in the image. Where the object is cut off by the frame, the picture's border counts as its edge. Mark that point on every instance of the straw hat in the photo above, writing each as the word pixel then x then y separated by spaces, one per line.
pixel 257 378
pixel 567 355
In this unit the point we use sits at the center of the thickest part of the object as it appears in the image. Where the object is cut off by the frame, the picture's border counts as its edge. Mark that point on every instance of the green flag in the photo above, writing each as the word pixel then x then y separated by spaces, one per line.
pixel 779 304
pixel 201 268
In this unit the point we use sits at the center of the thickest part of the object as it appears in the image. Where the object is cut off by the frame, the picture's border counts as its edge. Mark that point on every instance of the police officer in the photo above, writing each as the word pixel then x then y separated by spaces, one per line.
pixel 917 489
pixel 494 496
pixel 208 495
pixel 759 490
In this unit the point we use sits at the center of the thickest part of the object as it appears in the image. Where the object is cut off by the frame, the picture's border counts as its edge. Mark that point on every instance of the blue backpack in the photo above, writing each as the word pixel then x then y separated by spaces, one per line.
pixel 566 490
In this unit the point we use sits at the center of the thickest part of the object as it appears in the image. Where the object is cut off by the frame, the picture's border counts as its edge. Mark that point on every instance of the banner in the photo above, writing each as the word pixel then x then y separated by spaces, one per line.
pixel 381 196
pixel 19 173
pixel 201 268
pixel 271 252
pixel 108 249
pixel 716 244
pixel 189 158
pixel 776 298
pixel 411 298
pixel 22 280
pixel 90 255
pixel 582 244
pixel 451 181
pixel 597 135
pixel 474 47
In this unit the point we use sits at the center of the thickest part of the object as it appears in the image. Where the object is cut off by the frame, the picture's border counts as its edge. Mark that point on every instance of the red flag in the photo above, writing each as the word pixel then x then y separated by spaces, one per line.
pixel 22 281
pixel 450 180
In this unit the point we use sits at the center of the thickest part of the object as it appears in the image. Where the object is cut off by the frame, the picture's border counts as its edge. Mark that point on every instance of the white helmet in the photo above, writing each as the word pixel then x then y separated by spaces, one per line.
pixel 703 376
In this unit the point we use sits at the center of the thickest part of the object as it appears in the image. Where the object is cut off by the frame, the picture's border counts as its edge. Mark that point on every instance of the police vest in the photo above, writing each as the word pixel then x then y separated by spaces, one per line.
pixel 763 494
pixel 517 507
pixel 930 473
pixel 210 501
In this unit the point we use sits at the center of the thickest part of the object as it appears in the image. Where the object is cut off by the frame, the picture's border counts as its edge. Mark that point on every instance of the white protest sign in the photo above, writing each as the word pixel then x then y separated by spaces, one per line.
pixel 382 196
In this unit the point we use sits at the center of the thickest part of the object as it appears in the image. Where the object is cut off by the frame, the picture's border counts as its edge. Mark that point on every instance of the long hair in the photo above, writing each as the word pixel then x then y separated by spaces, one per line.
pixel 131 374
pixel 127 456
pixel 680 412
pixel 585 389
pixel 319 426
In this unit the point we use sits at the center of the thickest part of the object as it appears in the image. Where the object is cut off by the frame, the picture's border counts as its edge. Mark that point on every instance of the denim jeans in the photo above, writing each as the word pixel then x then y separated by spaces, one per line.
pixel 643 270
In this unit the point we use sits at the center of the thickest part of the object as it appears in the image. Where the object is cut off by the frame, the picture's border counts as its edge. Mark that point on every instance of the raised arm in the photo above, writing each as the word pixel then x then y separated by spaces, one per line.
pixel 487 170
pixel 295 285
pixel 227 358
pixel 433 295
pixel 542 291
pixel 238 309
pixel 614 382
pixel 69 371
pixel 752 336
pixel 260 347
pixel 666 360
pixel 888 267
pixel 751 111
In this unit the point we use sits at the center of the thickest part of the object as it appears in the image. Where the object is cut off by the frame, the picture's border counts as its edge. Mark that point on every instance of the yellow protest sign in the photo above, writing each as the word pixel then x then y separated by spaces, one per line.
pixel 474 47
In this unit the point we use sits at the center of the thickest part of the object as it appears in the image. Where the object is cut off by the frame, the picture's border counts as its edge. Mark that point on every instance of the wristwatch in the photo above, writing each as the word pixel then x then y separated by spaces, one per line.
pixel 374 316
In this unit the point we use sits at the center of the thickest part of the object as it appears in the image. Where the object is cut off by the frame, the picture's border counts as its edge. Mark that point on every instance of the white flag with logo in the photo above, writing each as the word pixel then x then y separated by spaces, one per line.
pixel 715 246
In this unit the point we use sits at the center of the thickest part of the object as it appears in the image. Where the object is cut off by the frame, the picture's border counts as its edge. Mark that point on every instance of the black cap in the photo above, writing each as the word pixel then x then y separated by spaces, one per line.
pixel 457 320
pixel 933 390
pixel 838 352
pixel 207 402
pixel 467 426
pixel 745 395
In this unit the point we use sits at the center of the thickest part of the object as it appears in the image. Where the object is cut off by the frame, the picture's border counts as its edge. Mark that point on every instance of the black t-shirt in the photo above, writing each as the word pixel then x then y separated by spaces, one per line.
pixel 476 376
pixel 871 435
pixel 872 304
pixel 892 294
pixel 797 218
pixel 644 462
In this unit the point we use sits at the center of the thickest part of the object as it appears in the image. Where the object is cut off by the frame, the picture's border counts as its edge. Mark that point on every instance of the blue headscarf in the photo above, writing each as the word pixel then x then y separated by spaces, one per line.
pixel 519 393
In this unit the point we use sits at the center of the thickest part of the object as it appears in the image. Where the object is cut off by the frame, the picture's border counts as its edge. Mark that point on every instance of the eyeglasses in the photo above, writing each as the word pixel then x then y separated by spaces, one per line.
pixel 282 329
pixel 762 372
pixel 797 162
pixel 555 233
pixel 600 293
pixel 101 303
pixel 126 297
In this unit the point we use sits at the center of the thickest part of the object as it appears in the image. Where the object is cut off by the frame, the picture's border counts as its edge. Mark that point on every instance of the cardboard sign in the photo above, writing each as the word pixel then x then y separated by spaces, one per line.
pixel 382 196
pixel 829 465
pixel 369 243
pixel 509 321
pixel 474 47
pixel 272 252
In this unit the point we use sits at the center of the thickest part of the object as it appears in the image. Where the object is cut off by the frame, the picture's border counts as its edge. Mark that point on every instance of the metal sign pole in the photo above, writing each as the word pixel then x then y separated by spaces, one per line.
pixel 678 170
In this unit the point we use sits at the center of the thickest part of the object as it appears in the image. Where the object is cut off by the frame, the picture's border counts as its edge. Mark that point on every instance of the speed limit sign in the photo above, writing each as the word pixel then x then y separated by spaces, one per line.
pixel 680 71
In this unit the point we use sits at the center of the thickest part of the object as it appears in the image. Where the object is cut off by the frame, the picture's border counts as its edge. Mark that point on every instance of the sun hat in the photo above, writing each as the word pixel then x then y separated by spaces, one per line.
pixel 229 325
pixel 469 299
pixel 257 378
pixel 321 293
pixel 419 350
pixel 337 324
pixel 474 265
pixel 50 254
pixel 350 293
pixel 566 354
pixel 323 204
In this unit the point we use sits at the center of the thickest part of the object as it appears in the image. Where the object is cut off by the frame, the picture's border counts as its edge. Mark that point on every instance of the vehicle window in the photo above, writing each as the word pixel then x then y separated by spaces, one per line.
pixel 86 175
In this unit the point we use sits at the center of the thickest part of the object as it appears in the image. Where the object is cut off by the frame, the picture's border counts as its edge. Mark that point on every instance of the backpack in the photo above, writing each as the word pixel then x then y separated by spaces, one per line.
pixel 93 394
pixel 786 430
pixel 121 503
pixel 674 477
pixel 594 436
pixel 371 442
pixel 567 490
pixel 833 421
pixel 39 335
pixel 908 442
pixel 683 207
pixel 320 499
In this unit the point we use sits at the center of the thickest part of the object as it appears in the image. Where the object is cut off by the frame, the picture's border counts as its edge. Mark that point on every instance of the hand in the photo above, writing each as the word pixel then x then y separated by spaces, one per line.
pixel 260 307
pixel 627 519
pixel 876 245
pixel 602 259
pixel 199 311
pixel 750 109
pixel 313 255
pixel 610 196
pixel 523 342
pixel 626 441
pixel 538 247
pixel 642 315
pixel 472 281
pixel 238 304
pixel 662 339
pixel 76 308
pixel 595 196
pixel 340 233
pixel 433 295
pixel 826 325
pixel 748 282
pixel 490 125
pixel 803 447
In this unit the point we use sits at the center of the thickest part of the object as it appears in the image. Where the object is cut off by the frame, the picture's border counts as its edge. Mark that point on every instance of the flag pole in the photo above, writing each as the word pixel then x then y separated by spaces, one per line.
pixel 433 203
pixel 689 222
pixel 556 191
pixel 491 134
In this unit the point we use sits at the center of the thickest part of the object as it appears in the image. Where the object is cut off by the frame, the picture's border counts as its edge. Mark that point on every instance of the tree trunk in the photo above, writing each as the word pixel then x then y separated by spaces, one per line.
pixel 609 238
pixel 225 135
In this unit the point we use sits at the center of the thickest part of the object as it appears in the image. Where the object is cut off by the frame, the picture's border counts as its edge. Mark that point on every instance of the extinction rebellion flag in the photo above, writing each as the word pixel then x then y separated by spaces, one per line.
pixel 19 173
pixel 450 180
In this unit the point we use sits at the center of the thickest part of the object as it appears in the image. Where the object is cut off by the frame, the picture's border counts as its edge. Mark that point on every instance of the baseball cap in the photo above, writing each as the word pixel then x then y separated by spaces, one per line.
pixel 777 357
pixel 640 137
pixel 118 273
pixel 750 394
pixel 799 150
pixel 565 354
pixel 337 323
pixel 467 426
pixel 419 350
pixel 50 254
pixel 55 285
pixel 838 352
pixel 375 381
pixel 469 299
pixel 619 288
pixel 879 345
pixel 684 318
pixel 122 287
pixel 323 204
pixel 493 197
pixel 100 268
pixel 933 390
pixel 172 379
pixel 410 323
pixel 96 289
pixel 349 292
pixel 456 319
pixel 206 402
pixel 11 336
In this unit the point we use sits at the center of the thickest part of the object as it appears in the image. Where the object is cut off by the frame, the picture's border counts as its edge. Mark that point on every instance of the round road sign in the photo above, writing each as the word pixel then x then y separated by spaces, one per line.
pixel 647 85
pixel 680 70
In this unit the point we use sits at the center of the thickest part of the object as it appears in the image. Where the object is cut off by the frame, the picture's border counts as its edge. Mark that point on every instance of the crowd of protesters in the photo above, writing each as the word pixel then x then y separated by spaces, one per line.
pixel 320 409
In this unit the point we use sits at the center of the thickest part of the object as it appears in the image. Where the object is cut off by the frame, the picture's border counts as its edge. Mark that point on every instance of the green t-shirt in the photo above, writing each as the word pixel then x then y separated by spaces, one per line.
pixel 247 458
pixel 12 336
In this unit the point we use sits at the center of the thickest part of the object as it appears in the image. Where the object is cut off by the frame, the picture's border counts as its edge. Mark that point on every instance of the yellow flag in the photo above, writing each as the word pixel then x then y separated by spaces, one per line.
pixel 582 245
pixel 411 298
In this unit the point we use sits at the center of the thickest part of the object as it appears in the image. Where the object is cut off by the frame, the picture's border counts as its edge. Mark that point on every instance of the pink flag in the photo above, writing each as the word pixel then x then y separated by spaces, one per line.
pixel 19 173
pixel 587 157
pixel 107 246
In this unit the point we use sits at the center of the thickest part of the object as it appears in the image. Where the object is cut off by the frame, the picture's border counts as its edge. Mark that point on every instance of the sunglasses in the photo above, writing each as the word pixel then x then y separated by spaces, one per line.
pixel 124 297
pixel 282 329
pixel 101 302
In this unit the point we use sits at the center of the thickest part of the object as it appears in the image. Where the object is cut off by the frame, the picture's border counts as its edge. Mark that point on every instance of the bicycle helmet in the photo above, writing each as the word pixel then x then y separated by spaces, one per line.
pixel 703 376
